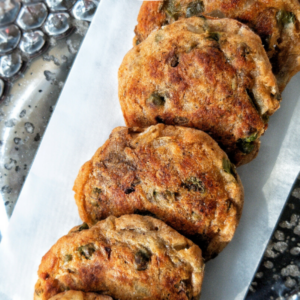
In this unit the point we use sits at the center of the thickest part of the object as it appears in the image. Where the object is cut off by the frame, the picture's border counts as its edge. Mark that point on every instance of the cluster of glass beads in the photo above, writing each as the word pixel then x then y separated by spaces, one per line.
pixel 25 28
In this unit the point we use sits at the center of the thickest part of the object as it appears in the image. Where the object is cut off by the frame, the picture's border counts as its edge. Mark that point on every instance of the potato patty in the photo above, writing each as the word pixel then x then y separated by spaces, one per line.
pixel 276 21
pixel 132 257
pixel 177 174
pixel 78 295
pixel 211 74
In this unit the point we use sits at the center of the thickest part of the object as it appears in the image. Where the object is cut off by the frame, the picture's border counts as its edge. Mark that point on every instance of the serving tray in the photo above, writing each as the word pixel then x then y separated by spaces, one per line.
pixel 87 111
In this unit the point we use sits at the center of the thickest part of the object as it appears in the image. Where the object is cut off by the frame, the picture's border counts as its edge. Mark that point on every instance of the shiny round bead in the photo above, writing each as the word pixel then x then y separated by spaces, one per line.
pixel 10 64
pixel 8 11
pixel 32 41
pixel 9 38
pixel 57 23
pixel 1 87
pixel 55 5
pixel 32 16
pixel 30 1
pixel 85 9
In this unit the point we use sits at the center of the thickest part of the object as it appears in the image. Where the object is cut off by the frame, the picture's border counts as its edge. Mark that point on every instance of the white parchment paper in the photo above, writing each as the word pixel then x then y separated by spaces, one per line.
pixel 87 111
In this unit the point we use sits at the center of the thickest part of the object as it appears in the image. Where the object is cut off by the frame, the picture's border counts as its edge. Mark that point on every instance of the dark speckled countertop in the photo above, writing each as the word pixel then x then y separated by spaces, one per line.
pixel 278 275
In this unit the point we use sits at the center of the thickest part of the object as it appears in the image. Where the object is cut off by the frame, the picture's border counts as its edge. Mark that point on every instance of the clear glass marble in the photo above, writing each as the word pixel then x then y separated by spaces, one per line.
pixel 85 9
pixel 32 16
pixel 9 38
pixel 10 64
pixel 30 1
pixel 32 42
pixel 57 23
pixel 8 11
pixel 55 5
pixel 1 87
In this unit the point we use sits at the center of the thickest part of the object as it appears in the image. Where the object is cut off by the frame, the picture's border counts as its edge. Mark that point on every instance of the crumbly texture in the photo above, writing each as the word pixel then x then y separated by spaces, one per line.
pixel 78 295
pixel 207 73
pixel 276 21
pixel 128 258
pixel 177 174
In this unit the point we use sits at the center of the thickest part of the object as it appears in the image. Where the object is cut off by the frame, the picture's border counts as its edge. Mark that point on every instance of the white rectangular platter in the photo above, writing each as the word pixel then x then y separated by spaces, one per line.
pixel 87 111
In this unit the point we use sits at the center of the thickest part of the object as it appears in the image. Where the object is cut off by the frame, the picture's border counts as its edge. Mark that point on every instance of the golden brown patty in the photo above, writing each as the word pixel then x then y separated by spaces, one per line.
pixel 276 21
pixel 178 174
pixel 133 257
pixel 211 74
pixel 78 295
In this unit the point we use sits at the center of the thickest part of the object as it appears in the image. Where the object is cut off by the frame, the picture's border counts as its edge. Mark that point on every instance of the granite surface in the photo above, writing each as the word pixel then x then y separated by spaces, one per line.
pixel 278 275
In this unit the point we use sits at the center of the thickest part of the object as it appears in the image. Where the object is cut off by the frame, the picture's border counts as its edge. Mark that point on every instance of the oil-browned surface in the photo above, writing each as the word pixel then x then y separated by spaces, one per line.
pixel 78 295
pixel 132 257
pixel 211 74
pixel 279 32
pixel 173 173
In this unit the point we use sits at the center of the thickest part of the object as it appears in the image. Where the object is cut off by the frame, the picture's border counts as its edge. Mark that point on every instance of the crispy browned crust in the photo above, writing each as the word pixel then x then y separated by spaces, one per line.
pixel 132 257
pixel 282 43
pixel 150 171
pixel 225 88
pixel 78 295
